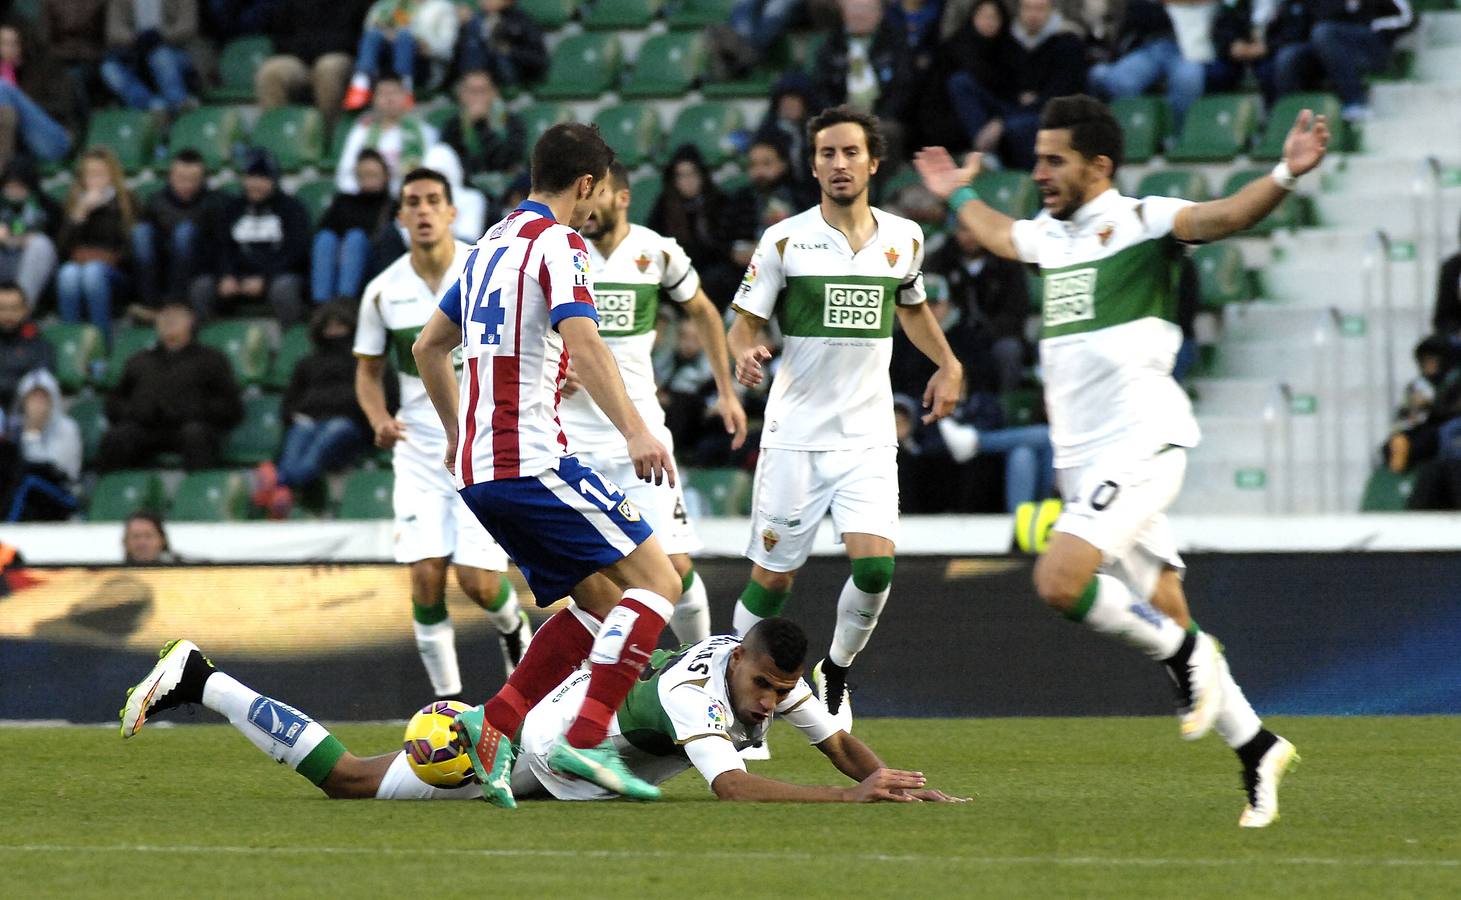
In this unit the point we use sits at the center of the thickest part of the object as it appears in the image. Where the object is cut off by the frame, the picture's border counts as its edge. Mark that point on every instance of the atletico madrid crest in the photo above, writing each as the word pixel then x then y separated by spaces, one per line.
pixel 892 256
pixel 643 263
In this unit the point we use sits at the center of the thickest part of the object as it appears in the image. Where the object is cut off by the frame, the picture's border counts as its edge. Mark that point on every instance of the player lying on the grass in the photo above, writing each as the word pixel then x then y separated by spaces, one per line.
pixel 697 707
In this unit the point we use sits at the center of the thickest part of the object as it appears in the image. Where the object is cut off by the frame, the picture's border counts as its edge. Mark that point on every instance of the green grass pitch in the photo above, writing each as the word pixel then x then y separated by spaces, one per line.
pixel 1086 807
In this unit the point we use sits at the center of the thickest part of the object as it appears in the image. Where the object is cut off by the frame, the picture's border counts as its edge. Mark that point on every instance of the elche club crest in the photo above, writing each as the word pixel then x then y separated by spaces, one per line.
pixel 891 255
pixel 1103 234
pixel 643 262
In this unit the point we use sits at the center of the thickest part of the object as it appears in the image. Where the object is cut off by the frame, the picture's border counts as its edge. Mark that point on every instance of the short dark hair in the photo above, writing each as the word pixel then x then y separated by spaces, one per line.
pixel 148 515
pixel 781 639
pixel 877 145
pixel 1093 130
pixel 567 152
pixel 191 156
pixel 619 176
pixel 421 173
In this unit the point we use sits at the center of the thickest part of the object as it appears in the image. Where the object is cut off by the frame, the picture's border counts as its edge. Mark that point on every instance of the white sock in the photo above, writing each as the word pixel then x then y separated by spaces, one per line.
pixel 961 440
pixel 360 80
pixel 691 621
pixel 437 645
pixel 857 616
pixel 743 620
pixel 287 735
pixel 1237 723
pixel 1136 622
pixel 506 618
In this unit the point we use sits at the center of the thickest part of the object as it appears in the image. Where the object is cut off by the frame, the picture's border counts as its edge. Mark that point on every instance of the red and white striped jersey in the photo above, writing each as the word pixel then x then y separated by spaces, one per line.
pixel 526 274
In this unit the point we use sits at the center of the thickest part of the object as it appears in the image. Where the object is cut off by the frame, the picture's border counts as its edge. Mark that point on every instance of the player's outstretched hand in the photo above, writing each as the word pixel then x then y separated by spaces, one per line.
pixel 887 784
pixel 733 416
pixel 945 390
pixel 941 174
pixel 652 462
pixel 749 370
pixel 388 431
pixel 1307 142
pixel 571 384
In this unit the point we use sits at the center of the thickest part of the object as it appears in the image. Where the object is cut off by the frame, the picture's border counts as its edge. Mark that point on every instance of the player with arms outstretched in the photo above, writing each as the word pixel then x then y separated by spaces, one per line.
pixel 432 524
pixel 834 276
pixel 1120 424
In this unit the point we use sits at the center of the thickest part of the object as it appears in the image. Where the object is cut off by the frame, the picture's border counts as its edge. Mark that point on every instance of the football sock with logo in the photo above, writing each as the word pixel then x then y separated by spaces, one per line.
pixel 1108 606
pixel 436 641
pixel 1236 723
pixel 557 648
pixel 691 621
pixel 287 735
pixel 858 608
pixel 627 638
pixel 503 611
pixel 757 603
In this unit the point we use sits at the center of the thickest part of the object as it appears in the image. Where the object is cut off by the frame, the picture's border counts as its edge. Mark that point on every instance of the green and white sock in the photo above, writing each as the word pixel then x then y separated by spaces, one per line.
pixel 691 621
pixel 858 607
pixel 436 641
pixel 1108 606
pixel 287 735
pixel 504 611
pixel 757 603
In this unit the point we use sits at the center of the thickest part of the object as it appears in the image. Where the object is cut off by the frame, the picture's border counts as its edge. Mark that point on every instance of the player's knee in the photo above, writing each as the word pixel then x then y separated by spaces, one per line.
pixel 1056 587
pixel 872 574
pixel 775 582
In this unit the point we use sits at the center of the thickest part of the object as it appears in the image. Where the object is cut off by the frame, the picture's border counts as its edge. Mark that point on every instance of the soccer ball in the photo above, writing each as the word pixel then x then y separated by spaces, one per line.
pixel 431 747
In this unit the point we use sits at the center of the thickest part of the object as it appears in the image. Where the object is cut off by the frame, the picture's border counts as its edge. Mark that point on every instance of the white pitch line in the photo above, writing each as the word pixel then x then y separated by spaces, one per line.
pixel 784 855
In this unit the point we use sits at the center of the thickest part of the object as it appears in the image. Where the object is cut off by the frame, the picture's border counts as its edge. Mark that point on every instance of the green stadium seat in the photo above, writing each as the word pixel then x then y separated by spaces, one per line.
pixel 1283 115
pixel 756 86
pixel 1144 124
pixel 606 15
pixel 294 345
pixel 91 418
pixel 1010 191
pixel 119 494
pixel 336 146
pixel 493 184
pixel 1291 213
pixel 367 495
pixel 632 129
pixel 126 343
pixel 643 195
pixel 1218 128
pixel 1184 183
pixel 74 347
pixel 539 117
pixel 668 65
pixel 708 126
pixel 584 66
pixel 258 436
pixel 211 495
pixel 725 492
pixel 143 190
pixel 1388 492
pixel 1021 406
pixel 244 342
pixel 696 14
pixel 316 196
pixel 213 131
pixel 886 189
pixel 237 62
pixel 1222 277
pixel 296 135
pixel 128 133
pixel 551 14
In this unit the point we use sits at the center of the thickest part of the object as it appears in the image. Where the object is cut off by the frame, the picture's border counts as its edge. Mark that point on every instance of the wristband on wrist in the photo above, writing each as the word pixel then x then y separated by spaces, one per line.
pixel 1284 176
pixel 961 196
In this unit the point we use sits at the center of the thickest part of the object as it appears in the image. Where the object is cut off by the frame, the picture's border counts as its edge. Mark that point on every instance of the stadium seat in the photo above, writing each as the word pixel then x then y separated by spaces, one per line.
pixel 213 131
pixel 632 129
pixel 1291 213
pixel 316 196
pixel 756 86
pixel 551 14
pixel 1144 124
pixel 886 189
pixel 74 347
pixel 91 418
pixel 296 135
pixel 211 495
pixel 1184 183
pixel 1218 128
pixel 584 66
pixel 1021 406
pixel 294 345
pixel 492 184
pixel 258 436
pixel 1222 277
pixel 244 342
pixel 119 494
pixel 1388 492
pixel 724 492
pixel 1281 120
pixel 126 132
pixel 143 190
pixel 644 194
pixel 539 117
pixel 668 65
pixel 367 495
pixel 606 15
pixel 708 126
pixel 126 343
pixel 693 15
pixel 1010 191
pixel 237 62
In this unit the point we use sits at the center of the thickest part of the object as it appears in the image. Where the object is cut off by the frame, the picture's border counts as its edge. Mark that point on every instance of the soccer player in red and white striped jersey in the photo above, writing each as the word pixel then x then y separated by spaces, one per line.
pixel 521 309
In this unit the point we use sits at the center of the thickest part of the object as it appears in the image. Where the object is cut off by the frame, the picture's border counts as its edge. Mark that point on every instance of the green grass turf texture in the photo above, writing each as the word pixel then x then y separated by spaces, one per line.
pixel 1089 807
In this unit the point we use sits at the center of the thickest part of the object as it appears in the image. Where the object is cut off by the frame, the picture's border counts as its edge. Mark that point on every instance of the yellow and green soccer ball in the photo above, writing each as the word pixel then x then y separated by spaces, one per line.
pixel 432 749
pixel 1033 522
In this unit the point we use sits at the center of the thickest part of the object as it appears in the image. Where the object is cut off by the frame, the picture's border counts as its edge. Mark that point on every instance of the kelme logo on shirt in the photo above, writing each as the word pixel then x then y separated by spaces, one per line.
pixel 1070 297
pixel 616 310
pixel 853 306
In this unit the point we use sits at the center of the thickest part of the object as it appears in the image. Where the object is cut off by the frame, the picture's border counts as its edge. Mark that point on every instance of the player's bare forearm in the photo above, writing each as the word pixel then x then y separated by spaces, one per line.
pixel 944 178
pixel 993 228
pixel 432 352
pixel 598 372
pixel 712 333
pixel 946 387
pixel 746 346
pixel 747 788
pixel 850 755
pixel 1217 219
pixel 370 389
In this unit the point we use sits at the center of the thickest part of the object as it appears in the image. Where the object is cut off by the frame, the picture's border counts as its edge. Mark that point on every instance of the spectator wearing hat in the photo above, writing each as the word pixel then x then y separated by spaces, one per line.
pixel 259 247
pixel 43 478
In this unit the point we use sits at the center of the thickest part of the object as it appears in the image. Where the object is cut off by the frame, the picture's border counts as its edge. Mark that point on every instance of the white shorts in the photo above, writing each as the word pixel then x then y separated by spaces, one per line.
pixel 432 522
pixel 1119 506
pixel 400 783
pixel 544 724
pixel 663 506
pixel 794 489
